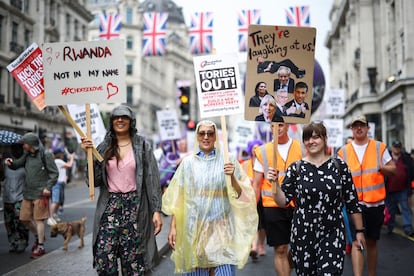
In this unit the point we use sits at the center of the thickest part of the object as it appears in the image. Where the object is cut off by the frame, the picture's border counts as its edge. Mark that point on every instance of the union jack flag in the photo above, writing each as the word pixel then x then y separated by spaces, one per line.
pixel 298 16
pixel 245 18
pixel 109 26
pixel 155 35
pixel 201 33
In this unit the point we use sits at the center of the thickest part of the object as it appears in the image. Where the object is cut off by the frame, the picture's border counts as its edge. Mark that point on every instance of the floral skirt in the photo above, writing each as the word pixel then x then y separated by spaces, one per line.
pixel 118 237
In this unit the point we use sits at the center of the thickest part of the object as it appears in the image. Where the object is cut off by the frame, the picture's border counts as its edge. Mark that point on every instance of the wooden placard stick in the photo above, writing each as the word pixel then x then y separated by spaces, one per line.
pixel 225 146
pixel 89 152
pixel 275 129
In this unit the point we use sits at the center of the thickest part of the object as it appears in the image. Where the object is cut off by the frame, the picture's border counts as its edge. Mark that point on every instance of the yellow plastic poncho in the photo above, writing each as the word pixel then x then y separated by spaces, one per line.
pixel 213 226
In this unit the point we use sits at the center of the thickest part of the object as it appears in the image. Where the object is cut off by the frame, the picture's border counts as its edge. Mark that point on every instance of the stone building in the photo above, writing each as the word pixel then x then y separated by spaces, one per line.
pixel 23 22
pixel 371 57
pixel 151 82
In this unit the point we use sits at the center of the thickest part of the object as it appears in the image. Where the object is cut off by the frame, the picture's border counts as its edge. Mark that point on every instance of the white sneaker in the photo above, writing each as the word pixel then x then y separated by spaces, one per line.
pixel 56 217
pixel 51 221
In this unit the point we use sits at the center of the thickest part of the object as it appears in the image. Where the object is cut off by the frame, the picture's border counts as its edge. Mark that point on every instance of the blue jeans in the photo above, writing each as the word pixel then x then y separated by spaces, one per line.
pixel 392 200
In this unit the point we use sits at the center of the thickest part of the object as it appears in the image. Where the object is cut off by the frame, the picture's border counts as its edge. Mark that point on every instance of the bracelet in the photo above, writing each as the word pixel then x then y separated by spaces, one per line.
pixel 359 230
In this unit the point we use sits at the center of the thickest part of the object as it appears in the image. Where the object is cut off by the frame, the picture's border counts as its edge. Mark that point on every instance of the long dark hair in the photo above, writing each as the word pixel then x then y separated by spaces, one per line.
pixel 113 148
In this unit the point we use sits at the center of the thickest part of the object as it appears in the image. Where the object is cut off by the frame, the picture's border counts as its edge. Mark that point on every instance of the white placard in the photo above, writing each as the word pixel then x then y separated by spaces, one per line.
pixel 218 85
pixel 168 124
pixel 243 132
pixel 98 131
pixel 84 72
pixel 335 131
pixel 335 102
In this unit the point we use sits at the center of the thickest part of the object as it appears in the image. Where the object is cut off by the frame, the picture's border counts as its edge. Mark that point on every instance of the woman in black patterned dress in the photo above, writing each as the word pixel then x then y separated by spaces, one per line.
pixel 320 186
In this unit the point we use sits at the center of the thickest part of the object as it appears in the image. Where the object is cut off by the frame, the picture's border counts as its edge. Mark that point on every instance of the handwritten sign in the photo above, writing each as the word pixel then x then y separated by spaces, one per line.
pixel 78 113
pixel 168 124
pixel 27 69
pixel 284 51
pixel 84 72
pixel 218 85
pixel 335 102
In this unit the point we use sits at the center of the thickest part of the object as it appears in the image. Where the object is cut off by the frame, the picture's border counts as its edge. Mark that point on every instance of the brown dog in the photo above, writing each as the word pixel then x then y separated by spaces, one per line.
pixel 68 229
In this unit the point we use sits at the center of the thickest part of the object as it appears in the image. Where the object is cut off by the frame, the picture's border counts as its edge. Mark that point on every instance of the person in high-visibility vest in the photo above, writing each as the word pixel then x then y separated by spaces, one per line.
pixel 277 219
pixel 369 161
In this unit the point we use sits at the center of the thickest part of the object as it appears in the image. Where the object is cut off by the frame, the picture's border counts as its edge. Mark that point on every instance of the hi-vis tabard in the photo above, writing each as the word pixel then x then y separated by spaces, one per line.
pixel 264 154
pixel 368 180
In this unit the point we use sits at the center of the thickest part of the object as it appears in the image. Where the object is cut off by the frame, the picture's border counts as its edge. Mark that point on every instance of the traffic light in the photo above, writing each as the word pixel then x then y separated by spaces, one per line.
pixel 191 125
pixel 185 101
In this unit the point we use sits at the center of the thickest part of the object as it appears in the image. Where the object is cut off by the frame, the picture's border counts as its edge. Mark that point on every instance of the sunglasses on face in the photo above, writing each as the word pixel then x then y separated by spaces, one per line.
pixel 204 133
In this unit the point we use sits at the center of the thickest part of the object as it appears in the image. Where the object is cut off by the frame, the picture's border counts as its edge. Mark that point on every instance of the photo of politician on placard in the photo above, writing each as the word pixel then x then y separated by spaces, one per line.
pixel 281 58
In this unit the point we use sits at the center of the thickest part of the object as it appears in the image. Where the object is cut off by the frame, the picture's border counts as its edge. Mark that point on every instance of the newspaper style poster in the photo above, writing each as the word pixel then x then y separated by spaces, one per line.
pixel 84 72
pixel 218 85
pixel 27 70
pixel 279 74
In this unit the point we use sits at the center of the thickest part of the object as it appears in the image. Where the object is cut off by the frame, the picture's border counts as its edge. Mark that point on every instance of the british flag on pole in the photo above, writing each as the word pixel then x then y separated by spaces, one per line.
pixel 298 16
pixel 245 18
pixel 109 26
pixel 155 35
pixel 201 33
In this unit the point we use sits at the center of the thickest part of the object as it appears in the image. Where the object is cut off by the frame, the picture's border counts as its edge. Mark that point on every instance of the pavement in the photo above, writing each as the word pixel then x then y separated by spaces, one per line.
pixel 76 261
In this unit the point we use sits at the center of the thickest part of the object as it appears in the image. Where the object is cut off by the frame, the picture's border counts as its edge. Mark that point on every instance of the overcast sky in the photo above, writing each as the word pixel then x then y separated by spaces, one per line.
pixel 272 13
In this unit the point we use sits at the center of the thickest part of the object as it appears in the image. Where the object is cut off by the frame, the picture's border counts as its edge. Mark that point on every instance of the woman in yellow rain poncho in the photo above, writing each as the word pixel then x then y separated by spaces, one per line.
pixel 213 223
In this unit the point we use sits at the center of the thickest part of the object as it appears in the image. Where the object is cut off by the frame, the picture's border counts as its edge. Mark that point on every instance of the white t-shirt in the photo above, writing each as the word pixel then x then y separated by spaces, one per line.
pixel 283 151
pixel 60 164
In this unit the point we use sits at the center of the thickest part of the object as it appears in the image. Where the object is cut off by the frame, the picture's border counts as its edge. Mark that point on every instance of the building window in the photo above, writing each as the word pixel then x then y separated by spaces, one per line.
pixel 130 42
pixel 130 67
pixel 395 125
pixel 67 25
pixel 128 19
pixel 27 38
pixel 1 31
pixel 15 31
pixel 129 91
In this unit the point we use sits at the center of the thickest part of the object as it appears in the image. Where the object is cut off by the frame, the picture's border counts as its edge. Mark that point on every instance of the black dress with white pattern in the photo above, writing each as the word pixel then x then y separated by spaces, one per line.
pixel 318 231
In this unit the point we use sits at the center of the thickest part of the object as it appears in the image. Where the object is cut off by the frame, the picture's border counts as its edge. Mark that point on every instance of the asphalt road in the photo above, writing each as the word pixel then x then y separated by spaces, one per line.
pixel 77 204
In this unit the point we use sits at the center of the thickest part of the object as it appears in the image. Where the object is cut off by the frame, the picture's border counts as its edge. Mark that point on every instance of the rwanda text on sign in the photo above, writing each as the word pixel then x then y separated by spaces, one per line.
pixel 27 69
pixel 218 85
pixel 84 72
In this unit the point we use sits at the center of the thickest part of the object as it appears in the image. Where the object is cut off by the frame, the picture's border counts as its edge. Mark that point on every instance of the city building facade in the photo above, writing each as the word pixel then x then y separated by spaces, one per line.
pixel 371 56
pixel 151 82
pixel 23 22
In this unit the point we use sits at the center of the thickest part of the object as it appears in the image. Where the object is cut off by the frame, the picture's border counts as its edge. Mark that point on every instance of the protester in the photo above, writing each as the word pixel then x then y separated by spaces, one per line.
pixel 278 219
pixel 398 187
pixel 258 245
pixel 58 190
pixel 320 185
pixel 369 161
pixel 213 221
pixel 127 215
pixel 14 182
pixel 41 174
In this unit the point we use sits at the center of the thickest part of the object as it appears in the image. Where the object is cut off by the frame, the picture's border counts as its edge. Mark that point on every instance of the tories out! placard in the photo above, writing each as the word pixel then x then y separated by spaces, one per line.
pixel 27 69
pixel 218 85
pixel 279 74
pixel 84 72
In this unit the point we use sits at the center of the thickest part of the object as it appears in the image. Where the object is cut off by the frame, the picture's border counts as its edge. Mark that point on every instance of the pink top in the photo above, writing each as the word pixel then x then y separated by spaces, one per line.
pixel 121 178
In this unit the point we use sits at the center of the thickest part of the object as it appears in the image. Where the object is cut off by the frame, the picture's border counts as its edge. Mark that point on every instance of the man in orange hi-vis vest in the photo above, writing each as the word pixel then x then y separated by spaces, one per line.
pixel 369 161
pixel 278 220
